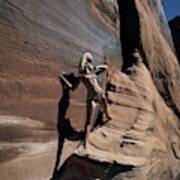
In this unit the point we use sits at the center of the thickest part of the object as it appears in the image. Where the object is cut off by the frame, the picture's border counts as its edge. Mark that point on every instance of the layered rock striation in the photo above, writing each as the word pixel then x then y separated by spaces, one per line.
pixel 142 139
pixel 140 142
pixel 39 40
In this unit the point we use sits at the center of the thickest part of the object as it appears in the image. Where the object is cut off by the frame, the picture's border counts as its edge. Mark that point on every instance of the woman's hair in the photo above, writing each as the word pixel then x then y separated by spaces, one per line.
pixel 87 57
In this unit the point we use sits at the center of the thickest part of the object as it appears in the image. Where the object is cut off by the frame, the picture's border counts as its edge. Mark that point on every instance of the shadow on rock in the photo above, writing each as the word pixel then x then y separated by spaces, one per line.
pixel 65 130
pixel 78 168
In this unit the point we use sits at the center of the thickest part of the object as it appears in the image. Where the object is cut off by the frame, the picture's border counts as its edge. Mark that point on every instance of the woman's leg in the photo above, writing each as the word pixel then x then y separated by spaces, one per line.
pixel 104 105
pixel 91 108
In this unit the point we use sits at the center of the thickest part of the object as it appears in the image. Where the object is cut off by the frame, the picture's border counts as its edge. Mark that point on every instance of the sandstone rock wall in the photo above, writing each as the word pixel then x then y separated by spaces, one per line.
pixel 152 36
pixel 142 139
pixel 140 142
pixel 39 40
pixel 160 58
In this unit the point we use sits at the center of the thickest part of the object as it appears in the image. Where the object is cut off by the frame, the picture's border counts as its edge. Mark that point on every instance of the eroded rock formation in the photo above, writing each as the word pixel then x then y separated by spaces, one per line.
pixel 142 139
pixel 41 39
pixel 142 135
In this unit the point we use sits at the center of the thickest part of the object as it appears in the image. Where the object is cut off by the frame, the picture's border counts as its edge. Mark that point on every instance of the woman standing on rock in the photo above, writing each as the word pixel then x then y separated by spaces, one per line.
pixel 95 94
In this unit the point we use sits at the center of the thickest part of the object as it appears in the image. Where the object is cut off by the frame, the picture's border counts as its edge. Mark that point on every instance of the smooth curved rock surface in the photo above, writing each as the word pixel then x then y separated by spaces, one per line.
pixel 143 133
pixel 42 39
pixel 39 40
pixel 160 58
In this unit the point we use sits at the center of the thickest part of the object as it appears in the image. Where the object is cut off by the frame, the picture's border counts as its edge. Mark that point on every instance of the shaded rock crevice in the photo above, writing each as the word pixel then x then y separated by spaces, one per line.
pixel 40 40
pixel 175 30
pixel 94 169
pixel 159 59
pixel 129 31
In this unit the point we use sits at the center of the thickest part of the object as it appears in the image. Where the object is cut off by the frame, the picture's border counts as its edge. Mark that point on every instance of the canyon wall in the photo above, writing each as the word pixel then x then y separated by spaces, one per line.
pixel 40 40
pixel 141 141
